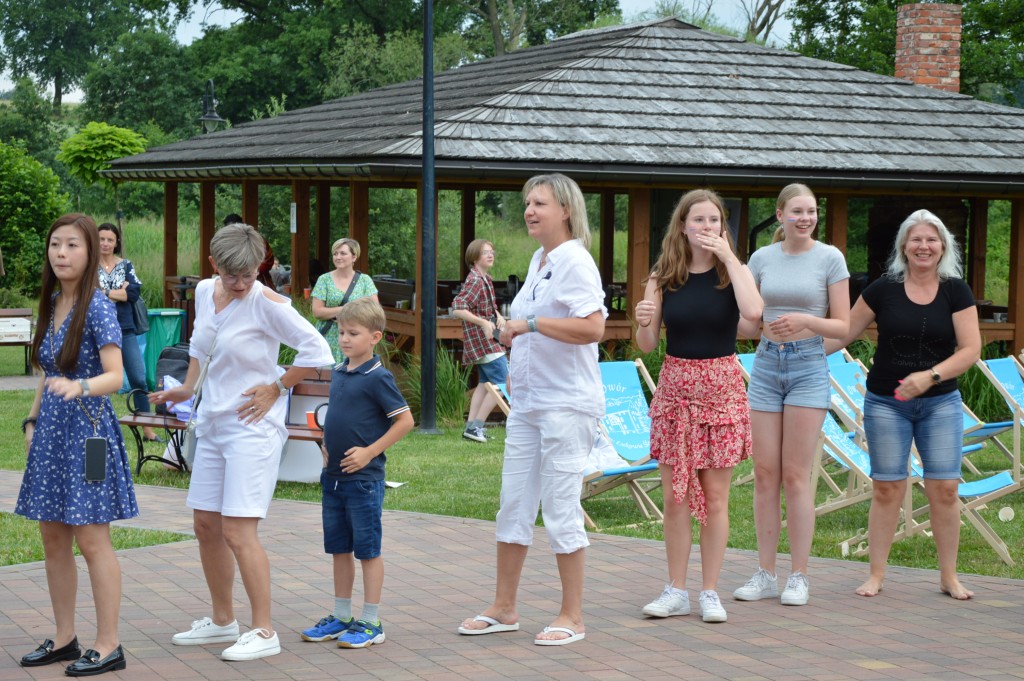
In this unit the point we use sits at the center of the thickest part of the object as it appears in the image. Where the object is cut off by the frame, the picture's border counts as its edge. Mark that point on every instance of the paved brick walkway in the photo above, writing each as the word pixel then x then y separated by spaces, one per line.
pixel 440 570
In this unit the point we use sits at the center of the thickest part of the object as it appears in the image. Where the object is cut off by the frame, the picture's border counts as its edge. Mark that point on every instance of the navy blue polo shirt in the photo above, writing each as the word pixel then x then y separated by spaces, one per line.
pixel 362 404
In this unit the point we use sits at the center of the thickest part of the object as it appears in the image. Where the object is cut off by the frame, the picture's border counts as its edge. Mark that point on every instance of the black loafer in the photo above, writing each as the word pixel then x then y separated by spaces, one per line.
pixel 90 663
pixel 45 654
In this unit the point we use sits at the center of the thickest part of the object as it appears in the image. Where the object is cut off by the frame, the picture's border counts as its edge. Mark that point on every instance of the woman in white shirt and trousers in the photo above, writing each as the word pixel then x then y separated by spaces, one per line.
pixel 557 320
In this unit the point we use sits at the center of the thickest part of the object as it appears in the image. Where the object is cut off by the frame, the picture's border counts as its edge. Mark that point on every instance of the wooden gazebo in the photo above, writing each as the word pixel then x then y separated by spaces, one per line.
pixel 646 110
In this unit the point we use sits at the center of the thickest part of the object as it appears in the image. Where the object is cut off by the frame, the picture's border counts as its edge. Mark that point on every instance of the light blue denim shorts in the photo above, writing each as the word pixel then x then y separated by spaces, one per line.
pixel 793 373
pixel 934 424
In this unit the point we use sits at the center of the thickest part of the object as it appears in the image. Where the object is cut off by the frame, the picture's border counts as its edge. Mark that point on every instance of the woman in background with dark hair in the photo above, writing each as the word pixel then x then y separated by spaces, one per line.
pixel 122 285
pixel 76 345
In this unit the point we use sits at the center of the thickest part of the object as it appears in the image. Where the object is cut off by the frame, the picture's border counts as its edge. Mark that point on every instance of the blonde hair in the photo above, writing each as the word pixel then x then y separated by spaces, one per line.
pixel 949 263
pixel 788 193
pixel 569 196
pixel 673 266
pixel 475 249
pixel 365 312
pixel 352 244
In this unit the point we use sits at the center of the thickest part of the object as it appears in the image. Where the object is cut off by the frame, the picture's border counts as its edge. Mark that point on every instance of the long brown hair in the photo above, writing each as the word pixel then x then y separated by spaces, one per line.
pixel 67 358
pixel 673 266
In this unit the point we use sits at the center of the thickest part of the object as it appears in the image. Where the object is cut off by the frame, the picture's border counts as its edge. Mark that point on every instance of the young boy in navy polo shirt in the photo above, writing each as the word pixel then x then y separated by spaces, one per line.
pixel 367 414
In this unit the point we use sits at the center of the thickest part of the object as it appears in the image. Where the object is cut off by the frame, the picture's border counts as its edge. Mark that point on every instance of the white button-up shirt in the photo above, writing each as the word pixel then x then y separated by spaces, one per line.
pixel 546 373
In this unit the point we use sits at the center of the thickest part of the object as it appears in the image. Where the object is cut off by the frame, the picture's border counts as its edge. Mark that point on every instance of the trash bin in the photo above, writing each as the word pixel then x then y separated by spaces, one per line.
pixel 164 330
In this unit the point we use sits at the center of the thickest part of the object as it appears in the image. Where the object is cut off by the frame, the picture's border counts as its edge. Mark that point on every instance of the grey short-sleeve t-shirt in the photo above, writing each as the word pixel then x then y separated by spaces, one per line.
pixel 797 283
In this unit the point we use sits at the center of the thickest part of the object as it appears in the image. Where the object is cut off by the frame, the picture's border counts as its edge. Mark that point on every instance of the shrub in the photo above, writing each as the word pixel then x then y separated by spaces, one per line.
pixel 30 201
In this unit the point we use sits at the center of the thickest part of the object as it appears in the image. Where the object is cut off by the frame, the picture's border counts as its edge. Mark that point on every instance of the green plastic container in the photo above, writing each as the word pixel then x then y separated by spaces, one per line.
pixel 164 329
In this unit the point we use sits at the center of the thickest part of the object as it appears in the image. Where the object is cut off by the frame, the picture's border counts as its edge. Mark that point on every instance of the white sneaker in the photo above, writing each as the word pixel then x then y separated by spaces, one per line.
pixel 205 631
pixel 670 603
pixel 711 609
pixel 252 646
pixel 797 590
pixel 762 585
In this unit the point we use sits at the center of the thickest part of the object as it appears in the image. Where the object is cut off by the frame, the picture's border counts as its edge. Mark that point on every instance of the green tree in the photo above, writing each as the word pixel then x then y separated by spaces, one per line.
pixel 55 41
pixel 862 33
pixel 145 77
pixel 496 27
pixel 30 200
pixel 28 122
pixel 92 149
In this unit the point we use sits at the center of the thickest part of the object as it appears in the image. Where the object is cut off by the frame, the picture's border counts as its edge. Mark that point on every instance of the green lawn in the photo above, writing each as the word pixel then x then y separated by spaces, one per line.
pixel 447 475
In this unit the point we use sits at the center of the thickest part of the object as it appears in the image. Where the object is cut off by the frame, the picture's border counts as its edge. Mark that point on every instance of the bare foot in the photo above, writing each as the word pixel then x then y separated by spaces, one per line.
pixel 956 590
pixel 872 587
pixel 555 631
pixel 502 616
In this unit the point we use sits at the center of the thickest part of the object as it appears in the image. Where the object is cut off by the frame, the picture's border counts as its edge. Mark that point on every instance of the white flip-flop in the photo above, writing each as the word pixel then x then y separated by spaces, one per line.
pixel 493 627
pixel 572 638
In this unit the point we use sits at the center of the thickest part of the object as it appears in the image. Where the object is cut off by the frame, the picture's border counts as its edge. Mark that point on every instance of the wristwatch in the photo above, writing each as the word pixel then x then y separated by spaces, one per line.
pixel 282 391
pixel 25 422
pixel 85 387
pixel 936 377
pixel 531 323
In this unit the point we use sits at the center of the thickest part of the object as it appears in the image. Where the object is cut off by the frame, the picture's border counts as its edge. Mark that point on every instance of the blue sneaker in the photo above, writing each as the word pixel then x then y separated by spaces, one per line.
pixel 361 634
pixel 326 629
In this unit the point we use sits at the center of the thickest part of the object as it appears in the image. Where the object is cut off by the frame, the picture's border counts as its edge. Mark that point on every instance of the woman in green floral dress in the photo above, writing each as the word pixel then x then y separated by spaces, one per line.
pixel 332 290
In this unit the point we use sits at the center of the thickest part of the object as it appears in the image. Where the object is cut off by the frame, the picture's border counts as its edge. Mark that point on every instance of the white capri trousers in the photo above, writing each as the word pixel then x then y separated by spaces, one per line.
pixel 545 454
pixel 235 469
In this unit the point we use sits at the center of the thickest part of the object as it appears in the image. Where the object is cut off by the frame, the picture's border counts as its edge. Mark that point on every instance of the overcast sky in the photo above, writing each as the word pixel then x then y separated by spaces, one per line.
pixel 729 12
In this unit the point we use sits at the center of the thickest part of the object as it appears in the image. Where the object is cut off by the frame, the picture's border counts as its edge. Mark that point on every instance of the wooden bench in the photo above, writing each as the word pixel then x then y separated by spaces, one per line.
pixel 19 313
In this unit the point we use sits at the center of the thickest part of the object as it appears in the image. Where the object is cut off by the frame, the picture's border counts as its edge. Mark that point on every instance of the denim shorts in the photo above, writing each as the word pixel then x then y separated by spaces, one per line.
pixel 351 514
pixel 934 424
pixel 495 371
pixel 794 373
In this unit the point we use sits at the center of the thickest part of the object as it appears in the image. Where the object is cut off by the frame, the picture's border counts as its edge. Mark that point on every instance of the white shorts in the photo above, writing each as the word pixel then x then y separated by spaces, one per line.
pixel 235 469
pixel 545 454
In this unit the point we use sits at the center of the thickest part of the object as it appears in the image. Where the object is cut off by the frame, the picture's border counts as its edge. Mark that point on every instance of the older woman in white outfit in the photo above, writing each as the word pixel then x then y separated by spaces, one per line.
pixel 557 320
pixel 240 325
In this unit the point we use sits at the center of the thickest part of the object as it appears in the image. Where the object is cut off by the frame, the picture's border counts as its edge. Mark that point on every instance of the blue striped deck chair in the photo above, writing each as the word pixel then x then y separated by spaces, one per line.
pixel 627 426
pixel 500 393
pixel 848 454
pixel 1007 376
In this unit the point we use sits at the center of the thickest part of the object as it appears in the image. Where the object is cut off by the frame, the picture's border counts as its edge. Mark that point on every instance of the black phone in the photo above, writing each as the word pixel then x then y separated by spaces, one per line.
pixel 496 334
pixel 95 459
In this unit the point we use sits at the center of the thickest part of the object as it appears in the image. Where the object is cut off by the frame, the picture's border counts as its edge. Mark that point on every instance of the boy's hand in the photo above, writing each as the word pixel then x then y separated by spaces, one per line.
pixel 356 459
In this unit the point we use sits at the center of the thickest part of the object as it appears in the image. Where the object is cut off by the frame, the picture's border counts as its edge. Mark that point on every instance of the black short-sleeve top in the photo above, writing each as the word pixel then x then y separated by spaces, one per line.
pixel 700 319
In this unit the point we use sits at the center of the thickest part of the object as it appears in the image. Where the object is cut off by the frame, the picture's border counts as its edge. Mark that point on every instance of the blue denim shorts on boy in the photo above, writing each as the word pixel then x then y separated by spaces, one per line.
pixel 495 371
pixel 351 516
pixel 935 424
pixel 794 373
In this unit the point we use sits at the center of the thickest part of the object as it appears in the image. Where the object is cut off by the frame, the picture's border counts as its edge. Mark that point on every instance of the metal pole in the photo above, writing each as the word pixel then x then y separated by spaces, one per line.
pixel 427 298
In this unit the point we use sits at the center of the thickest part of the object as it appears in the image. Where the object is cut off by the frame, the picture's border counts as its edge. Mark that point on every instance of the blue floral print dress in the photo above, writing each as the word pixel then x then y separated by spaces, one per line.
pixel 54 487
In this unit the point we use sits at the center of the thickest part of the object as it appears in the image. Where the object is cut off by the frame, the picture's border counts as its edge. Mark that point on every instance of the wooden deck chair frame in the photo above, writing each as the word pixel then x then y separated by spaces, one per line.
pixel 632 474
pixel 500 396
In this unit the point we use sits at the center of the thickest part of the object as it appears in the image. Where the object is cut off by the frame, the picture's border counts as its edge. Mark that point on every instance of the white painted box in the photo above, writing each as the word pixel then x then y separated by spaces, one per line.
pixel 15 330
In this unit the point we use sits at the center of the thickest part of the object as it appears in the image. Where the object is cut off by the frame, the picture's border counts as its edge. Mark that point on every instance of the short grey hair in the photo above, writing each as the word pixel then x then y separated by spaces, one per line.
pixel 568 195
pixel 237 249
pixel 949 263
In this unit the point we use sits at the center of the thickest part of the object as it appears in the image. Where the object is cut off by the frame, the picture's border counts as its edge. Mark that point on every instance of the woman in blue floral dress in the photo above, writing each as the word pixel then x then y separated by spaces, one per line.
pixel 77 345
pixel 329 294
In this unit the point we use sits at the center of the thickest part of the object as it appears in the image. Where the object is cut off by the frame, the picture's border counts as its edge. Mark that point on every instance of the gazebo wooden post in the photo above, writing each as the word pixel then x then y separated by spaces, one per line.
pixel 300 237
pixel 467 227
pixel 170 235
pixel 607 257
pixel 978 237
pixel 1016 291
pixel 323 224
pixel 743 231
pixel 207 225
pixel 251 203
pixel 837 217
pixel 638 261
pixel 358 222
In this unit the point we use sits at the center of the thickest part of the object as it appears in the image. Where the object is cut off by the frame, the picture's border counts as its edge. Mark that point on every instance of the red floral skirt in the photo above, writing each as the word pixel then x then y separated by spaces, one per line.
pixel 700 419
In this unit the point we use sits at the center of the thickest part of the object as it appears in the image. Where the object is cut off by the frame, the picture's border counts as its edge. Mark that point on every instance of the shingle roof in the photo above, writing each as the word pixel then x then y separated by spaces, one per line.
pixel 660 100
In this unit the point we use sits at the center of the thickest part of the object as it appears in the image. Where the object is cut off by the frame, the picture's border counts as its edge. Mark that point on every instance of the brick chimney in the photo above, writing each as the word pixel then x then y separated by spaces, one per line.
pixel 928 45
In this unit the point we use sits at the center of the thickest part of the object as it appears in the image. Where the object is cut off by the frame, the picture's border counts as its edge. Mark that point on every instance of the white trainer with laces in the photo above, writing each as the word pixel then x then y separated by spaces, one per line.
pixel 252 646
pixel 670 603
pixel 797 591
pixel 711 609
pixel 762 585
pixel 205 631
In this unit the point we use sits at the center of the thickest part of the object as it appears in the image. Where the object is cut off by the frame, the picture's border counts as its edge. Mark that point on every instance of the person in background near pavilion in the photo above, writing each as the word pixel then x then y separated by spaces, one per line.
pixel 477 308
pixel 700 420
pixel 805 287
